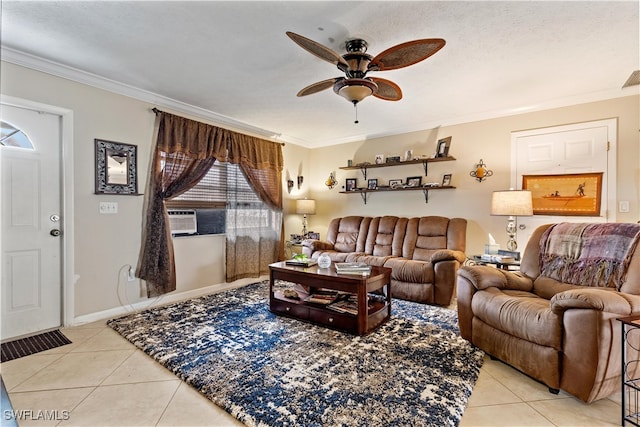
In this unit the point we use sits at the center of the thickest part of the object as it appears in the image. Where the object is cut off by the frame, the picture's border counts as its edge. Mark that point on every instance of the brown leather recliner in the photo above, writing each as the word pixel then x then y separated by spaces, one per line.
pixel 424 253
pixel 562 334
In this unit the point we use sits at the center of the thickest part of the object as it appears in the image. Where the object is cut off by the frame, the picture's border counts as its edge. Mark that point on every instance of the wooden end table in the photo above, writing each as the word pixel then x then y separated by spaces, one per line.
pixel 371 312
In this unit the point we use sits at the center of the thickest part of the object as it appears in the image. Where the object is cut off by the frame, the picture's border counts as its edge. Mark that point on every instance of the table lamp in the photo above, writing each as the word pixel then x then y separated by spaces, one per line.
pixel 305 207
pixel 511 203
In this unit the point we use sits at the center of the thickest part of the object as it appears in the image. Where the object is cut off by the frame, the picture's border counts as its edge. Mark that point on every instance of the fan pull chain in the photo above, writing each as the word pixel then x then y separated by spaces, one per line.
pixel 355 106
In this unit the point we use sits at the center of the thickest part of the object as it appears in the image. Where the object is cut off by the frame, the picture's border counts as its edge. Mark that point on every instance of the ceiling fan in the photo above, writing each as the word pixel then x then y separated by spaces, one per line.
pixel 356 63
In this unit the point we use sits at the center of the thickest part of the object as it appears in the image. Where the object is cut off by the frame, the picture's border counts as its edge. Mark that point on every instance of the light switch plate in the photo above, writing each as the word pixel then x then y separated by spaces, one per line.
pixel 108 207
pixel 623 206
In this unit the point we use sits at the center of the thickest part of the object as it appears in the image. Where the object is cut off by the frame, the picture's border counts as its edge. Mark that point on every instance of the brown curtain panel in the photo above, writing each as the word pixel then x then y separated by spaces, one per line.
pixel 183 153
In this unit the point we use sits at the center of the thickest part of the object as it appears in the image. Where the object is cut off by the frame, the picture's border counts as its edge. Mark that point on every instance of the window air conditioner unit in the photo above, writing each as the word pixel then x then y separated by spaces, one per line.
pixel 183 221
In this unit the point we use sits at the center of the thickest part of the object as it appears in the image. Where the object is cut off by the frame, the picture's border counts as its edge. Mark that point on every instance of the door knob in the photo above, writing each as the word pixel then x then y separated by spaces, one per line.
pixel 55 232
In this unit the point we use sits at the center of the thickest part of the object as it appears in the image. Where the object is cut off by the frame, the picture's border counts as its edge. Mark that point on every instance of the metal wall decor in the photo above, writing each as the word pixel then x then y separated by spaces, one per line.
pixel 116 168
pixel 331 181
pixel 480 171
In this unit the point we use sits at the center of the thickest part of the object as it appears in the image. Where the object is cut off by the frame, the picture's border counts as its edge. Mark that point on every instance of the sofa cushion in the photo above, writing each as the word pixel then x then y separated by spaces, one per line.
pixel 334 255
pixel 521 314
pixel 385 236
pixel 406 270
pixel 373 260
pixel 424 236
pixel 348 234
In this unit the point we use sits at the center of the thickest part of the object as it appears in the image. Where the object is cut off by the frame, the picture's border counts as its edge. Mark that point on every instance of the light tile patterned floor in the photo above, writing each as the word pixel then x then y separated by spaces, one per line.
pixel 103 380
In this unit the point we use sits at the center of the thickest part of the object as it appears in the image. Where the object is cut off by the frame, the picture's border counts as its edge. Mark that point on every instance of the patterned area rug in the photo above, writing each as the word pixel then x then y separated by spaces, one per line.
pixel 33 344
pixel 268 370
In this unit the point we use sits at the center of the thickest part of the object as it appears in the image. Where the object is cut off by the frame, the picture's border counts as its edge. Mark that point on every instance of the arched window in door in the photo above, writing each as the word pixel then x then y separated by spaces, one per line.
pixel 10 136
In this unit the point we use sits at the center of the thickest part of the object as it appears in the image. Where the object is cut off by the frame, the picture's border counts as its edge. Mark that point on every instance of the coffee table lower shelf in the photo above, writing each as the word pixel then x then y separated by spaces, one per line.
pixel 372 292
pixel 319 315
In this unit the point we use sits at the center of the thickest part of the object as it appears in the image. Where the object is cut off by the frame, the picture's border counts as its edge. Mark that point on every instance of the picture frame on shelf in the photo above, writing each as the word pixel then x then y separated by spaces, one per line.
pixel 446 180
pixel 395 183
pixel 443 147
pixel 379 159
pixel 414 181
pixel 408 155
pixel 393 159
pixel 351 184
pixel 372 184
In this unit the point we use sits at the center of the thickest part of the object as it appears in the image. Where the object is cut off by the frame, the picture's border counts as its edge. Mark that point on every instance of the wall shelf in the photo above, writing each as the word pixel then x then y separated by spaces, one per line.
pixel 364 166
pixel 365 192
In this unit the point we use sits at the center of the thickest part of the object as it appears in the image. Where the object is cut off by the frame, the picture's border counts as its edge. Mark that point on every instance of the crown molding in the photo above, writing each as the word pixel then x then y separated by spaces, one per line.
pixel 70 73
pixel 56 69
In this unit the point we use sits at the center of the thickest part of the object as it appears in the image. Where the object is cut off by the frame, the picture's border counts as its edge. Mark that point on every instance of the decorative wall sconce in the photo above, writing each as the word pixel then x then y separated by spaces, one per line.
pixel 480 171
pixel 289 185
pixel 331 181
pixel 300 180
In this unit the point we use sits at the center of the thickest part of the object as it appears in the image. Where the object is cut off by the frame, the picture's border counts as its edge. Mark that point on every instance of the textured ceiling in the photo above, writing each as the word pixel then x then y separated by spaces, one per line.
pixel 232 60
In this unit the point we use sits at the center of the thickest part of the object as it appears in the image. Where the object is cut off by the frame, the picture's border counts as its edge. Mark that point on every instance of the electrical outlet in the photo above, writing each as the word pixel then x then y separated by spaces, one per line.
pixel 131 274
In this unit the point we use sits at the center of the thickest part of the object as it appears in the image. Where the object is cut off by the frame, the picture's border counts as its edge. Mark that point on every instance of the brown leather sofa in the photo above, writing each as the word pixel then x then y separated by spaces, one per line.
pixel 555 319
pixel 424 253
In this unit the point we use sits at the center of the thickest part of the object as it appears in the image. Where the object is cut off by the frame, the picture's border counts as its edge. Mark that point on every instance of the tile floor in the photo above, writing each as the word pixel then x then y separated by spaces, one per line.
pixel 103 380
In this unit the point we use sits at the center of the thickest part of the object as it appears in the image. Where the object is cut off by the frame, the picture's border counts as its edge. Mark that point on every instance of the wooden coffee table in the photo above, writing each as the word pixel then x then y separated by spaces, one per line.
pixel 372 311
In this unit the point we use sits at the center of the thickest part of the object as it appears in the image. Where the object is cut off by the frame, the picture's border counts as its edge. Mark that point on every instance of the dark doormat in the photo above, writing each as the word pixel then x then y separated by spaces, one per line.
pixel 34 344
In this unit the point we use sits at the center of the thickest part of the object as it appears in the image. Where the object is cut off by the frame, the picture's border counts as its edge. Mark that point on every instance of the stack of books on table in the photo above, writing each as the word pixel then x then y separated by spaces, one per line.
pixel 349 304
pixel 323 297
pixel 301 262
pixel 357 268
pixel 346 305
pixel 504 259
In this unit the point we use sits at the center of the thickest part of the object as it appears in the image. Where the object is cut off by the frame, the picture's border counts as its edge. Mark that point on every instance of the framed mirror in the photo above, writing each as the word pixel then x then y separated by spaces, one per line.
pixel 116 168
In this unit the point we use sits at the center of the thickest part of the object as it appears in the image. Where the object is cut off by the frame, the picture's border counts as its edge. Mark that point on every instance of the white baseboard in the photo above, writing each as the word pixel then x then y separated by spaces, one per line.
pixel 163 300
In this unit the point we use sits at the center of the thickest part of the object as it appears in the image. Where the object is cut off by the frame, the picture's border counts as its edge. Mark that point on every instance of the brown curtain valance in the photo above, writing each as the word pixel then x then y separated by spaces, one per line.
pixel 197 140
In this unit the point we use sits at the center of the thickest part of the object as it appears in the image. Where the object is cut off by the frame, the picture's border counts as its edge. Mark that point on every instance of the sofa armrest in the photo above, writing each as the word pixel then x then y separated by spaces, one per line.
pixel 594 299
pixel 310 246
pixel 448 255
pixel 483 277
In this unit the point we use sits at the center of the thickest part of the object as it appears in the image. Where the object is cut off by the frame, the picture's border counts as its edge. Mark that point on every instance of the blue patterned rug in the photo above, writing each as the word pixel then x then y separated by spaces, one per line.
pixel 268 370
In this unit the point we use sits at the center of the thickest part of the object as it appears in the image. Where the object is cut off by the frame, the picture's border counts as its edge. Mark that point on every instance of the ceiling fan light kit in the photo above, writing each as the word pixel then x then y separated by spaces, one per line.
pixel 356 63
pixel 355 90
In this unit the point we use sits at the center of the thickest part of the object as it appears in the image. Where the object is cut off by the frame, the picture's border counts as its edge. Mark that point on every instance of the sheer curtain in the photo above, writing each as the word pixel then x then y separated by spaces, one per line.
pixel 254 229
pixel 184 152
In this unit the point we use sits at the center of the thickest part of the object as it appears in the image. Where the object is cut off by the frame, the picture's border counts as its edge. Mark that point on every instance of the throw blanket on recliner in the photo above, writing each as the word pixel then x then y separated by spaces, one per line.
pixel 588 254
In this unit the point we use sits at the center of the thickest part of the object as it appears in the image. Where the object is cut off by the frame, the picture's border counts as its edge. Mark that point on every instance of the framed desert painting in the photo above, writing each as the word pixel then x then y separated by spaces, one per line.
pixel 567 194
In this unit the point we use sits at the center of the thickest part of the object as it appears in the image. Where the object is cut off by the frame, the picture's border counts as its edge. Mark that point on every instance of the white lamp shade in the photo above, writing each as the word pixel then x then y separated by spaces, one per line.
pixel 306 207
pixel 512 203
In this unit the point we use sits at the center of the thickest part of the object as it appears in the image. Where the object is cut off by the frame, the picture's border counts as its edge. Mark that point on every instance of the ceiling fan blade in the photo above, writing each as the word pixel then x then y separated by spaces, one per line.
pixel 317 49
pixel 387 90
pixel 319 86
pixel 405 54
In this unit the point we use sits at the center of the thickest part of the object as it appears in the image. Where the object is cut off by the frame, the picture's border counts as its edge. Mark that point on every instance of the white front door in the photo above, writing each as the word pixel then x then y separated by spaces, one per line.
pixel 578 148
pixel 31 239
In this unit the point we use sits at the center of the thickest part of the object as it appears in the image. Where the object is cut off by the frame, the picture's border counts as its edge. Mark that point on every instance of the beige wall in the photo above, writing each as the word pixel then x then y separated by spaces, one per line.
pixel 105 244
pixel 489 140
